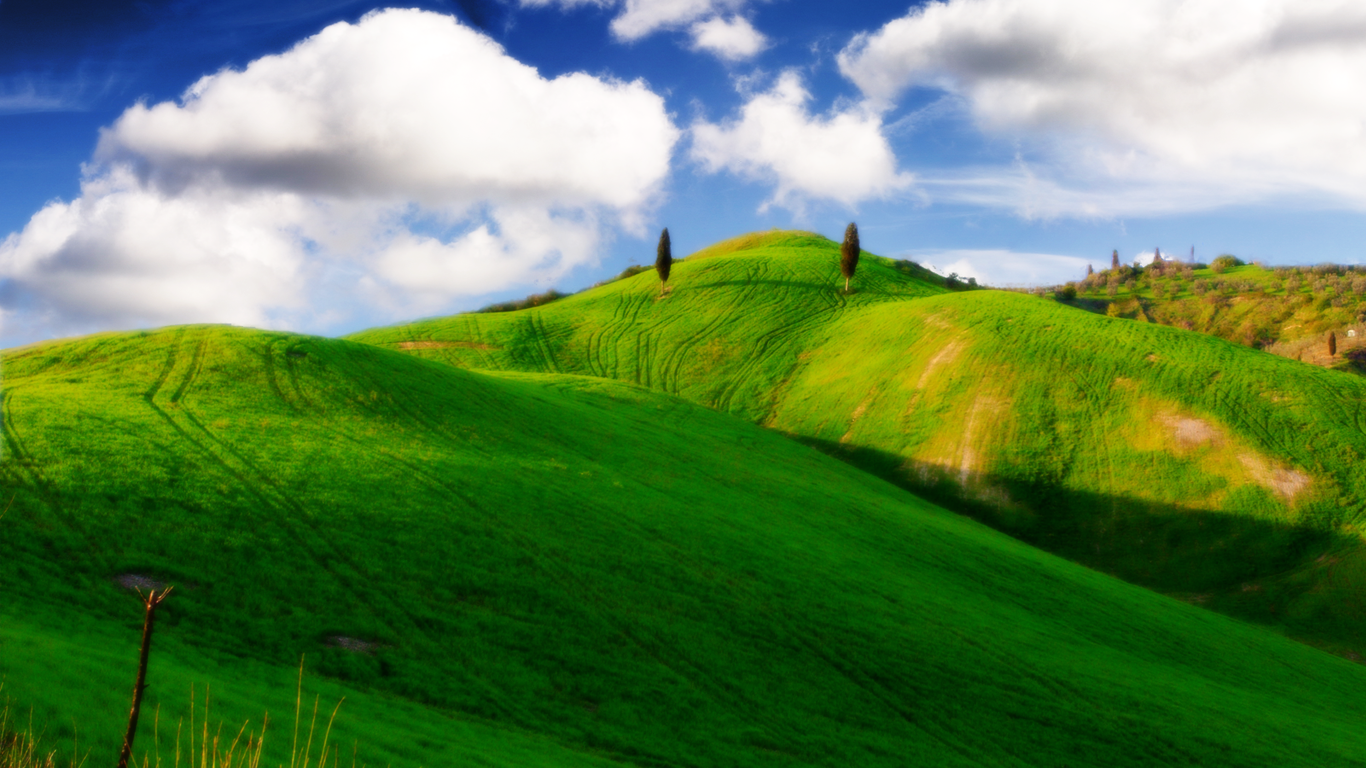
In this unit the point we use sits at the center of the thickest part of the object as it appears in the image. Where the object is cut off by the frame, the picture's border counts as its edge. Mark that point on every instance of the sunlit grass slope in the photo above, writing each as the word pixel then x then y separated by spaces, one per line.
pixel 1175 460
pixel 557 570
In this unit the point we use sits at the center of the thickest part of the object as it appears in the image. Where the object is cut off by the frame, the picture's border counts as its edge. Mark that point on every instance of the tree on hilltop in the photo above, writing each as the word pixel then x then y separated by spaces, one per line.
pixel 664 259
pixel 1332 344
pixel 849 252
pixel 1114 259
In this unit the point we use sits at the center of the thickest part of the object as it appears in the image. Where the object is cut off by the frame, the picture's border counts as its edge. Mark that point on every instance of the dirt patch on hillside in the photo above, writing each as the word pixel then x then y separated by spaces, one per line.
pixel 1189 432
pixel 947 354
pixel 352 644
pixel 858 414
pixel 445 345
pixel 138 581
pixel 1288 483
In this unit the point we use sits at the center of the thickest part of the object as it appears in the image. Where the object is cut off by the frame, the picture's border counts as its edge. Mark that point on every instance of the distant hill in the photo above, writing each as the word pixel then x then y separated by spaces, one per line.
pixel 544 569
pixel 1287 311
pixel 1204 469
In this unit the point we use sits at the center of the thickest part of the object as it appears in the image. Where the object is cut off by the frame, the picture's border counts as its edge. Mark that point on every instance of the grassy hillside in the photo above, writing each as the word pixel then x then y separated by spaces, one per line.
pixel 1271 309
pixel 556 570
pixel 1178 461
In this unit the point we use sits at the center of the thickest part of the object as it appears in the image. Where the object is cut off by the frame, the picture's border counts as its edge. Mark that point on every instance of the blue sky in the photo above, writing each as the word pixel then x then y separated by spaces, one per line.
pixel 324 165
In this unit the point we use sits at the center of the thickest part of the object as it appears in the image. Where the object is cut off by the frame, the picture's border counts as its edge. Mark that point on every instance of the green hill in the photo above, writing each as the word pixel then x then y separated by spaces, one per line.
pixel 1204 469
pixel 558 570
pixel 1284 310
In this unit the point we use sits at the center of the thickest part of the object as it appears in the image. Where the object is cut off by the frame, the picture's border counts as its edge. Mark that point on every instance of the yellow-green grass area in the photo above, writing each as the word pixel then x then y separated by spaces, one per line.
pixel 1250 304
pixel 1174 460
pixel 559 570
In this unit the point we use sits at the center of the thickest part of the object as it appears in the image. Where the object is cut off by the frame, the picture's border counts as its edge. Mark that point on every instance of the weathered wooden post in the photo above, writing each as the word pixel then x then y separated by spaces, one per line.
pixel 151 601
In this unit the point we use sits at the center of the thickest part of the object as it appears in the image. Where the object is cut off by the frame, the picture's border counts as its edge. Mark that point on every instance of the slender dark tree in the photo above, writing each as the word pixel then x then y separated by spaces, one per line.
pixel 1089 271
pixel 1332 344
pixel 849 252
pixel 1157 258
pixel 664 259
pixel 1114 260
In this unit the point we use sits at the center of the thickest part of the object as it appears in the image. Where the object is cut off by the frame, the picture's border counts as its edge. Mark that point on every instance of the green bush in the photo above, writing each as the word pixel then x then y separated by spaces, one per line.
pixel 1225 262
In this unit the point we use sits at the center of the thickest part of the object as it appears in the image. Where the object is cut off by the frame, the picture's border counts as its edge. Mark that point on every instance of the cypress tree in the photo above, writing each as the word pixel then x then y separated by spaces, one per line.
pixel 1332 344
pixel 1089 271
pixel 664 259
pixel 1114 260
pixel 849 252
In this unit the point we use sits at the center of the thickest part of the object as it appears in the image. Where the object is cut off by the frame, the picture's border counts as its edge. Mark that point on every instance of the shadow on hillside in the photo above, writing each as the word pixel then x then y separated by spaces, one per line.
pixel 1254 568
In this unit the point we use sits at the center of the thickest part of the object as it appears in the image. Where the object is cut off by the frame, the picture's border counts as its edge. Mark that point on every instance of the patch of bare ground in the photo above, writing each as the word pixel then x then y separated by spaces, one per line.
pixel 987 409
pixel 858 414
pixel 1288 483
pixel 947 354
pixel 1190 432
pixel 139 581
pixel 445 345
pixel 352 644
pixel 1121 382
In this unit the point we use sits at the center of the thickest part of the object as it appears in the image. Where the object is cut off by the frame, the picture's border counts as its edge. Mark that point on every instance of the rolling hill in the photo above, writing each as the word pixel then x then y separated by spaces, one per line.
pixel 1203 469
pixel 549 569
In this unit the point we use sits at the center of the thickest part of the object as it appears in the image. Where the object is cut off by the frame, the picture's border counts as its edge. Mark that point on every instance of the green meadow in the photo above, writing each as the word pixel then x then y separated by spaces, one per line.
pixel 1201 468
pixel 544 537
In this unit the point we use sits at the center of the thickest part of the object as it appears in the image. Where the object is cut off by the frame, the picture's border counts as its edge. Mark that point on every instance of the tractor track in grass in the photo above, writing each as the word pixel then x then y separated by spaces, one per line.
pixel 317 547
pixel 889 699
pixel 599 606
pixel 671 365
pixel 39 485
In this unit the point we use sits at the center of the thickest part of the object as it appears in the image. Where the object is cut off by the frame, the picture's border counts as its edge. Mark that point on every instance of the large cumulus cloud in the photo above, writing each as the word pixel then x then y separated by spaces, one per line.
pixel 1146 105
pixel 405 158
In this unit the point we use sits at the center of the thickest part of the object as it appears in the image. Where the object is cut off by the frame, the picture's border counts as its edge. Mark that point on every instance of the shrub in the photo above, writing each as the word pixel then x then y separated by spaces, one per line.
pixel 1068 292
pixel 537 299
pixel 1225 262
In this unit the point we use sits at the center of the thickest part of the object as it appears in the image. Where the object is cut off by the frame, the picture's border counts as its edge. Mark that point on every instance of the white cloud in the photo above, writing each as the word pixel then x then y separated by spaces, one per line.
pixel 733 39
pixel 405 135
pixel 641 18
pixel 841 157
pixel 1004 268
pixel 1242 100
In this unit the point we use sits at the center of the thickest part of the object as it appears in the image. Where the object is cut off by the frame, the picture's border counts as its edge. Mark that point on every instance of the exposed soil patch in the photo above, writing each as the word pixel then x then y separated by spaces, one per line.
pixel 139 581
pixel 1286 482
pixel 444 345
pixel 945 355
pixel 858 414
pixel 352 644
pixel 1190 432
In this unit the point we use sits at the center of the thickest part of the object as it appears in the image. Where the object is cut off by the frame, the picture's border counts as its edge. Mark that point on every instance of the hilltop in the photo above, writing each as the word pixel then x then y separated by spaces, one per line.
pixel 561 570
pixel 1203 469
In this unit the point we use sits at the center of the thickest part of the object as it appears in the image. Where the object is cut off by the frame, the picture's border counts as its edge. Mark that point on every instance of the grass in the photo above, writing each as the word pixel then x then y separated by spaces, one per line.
pixel 1181 462
pixel 1251 305
pixel 558 570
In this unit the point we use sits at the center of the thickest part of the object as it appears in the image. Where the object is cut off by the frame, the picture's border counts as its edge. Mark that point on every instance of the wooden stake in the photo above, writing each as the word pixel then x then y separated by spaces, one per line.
pixel 151 601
